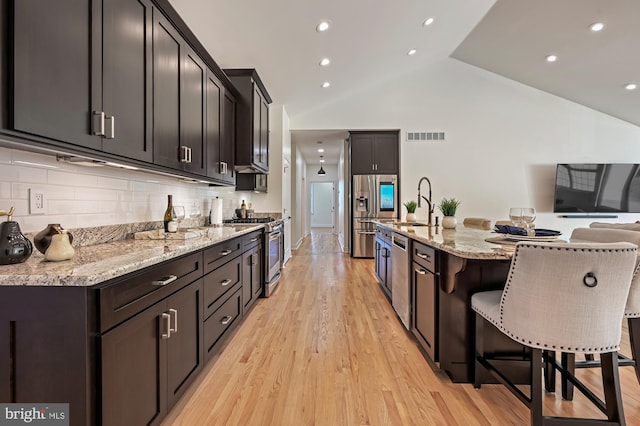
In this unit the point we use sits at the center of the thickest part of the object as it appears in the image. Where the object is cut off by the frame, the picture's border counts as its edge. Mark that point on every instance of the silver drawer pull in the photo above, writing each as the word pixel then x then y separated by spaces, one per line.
pixel 423 256
pixel 225 282
pixel 226 320
pixel 253 240
pixel 165 280
pixel 97 123
pixel 110 130
pixel 421 271
pixel 167 322
pixel 226 252
pixel 175 320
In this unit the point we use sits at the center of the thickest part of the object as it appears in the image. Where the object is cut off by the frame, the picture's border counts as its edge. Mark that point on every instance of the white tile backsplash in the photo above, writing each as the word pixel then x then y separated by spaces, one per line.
pixel 78 196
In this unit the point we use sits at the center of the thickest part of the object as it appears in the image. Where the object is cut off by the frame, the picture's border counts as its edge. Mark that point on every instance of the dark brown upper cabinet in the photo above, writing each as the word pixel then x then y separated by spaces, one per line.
pixel 252 121
pixel 179 101
pixel 374 153
pixel 220 131
pixel 73 77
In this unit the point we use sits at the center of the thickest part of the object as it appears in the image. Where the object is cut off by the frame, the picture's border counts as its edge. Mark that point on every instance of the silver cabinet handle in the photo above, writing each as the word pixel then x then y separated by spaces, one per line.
pixel 226 320
pixel 254 260
pixel 165 280
pixel 225 282
pixel 184 158
pixel 167 322
pixel 110 127
pixel 421 271
pixel 97 123
pixel 226 252
pixel 223 168
pixel 253 240
pixel 190 158
pixel 423 256
pixel 175 320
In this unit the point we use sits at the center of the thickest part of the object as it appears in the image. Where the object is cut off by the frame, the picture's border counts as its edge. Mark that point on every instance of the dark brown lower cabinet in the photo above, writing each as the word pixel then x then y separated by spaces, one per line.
pixel 425 293
pixel 251 277
pixel 149 360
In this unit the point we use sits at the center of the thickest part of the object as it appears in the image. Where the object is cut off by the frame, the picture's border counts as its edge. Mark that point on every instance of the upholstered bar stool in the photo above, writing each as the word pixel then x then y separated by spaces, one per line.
pixel 567 297
pixel 631 313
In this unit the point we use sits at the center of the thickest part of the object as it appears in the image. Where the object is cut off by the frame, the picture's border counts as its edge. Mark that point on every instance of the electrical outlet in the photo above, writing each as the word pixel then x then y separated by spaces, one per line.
pixel 36 201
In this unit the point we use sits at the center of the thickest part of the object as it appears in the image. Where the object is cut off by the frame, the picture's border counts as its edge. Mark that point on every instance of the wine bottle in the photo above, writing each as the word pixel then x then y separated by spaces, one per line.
pixel 170 224
pixel 243 209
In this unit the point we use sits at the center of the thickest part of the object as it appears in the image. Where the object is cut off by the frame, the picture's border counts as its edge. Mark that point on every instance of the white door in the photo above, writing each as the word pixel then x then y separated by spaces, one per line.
pixel 322 208
pixel 286 207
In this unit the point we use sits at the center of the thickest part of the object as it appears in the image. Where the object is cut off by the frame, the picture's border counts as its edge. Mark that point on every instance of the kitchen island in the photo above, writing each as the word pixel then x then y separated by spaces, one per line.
pixel 461 263
pixel 121 330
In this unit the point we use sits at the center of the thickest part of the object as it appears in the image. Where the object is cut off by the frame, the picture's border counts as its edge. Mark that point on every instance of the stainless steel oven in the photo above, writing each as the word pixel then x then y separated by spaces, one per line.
pixel 274 257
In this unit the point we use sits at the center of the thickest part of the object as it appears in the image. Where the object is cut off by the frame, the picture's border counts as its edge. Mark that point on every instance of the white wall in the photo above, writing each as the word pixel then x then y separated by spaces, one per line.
pixel 78 197
pixel 343 199
pixel 298 195
pixel 503 139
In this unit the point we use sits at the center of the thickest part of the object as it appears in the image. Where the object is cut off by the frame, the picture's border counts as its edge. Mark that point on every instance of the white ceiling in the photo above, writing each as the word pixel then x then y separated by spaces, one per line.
pixel 369 40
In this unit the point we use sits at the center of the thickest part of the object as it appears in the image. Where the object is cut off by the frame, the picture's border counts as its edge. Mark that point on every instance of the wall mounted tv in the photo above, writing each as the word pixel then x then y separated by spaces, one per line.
pixel 597 188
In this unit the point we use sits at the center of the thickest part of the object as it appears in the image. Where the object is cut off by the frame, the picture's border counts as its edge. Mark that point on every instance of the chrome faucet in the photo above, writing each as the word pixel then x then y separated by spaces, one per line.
pixel 428 200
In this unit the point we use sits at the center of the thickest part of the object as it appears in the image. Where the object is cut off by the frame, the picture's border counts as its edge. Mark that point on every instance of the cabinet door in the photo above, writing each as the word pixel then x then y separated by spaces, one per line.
pixel 127 77
pixel 362 154
pixel 247 291
pixel 192 113
pixel 134 375
pixel 56 69
pixel 214 126
pixel 264 134
pixel 425 309
pixel 167 59
pixel 385 154
pixel 256 272
pixel 388 282
pixel 378 261
pixel 228 137
pixel 257 122
pixel 184 347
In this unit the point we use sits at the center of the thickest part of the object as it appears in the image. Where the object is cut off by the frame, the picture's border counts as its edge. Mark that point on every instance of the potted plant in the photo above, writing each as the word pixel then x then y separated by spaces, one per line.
pixel 411 210
pixel 448 209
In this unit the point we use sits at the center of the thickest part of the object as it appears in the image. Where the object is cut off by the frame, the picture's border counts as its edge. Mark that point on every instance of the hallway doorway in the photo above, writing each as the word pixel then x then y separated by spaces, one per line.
pixel 322 205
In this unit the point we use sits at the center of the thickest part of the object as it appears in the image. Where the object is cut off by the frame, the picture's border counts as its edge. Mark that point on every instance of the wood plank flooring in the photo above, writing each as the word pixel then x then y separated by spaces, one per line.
pixel 328 349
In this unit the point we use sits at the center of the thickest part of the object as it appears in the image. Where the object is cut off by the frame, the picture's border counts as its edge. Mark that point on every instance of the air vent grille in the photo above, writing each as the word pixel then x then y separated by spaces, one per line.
pixel 425 136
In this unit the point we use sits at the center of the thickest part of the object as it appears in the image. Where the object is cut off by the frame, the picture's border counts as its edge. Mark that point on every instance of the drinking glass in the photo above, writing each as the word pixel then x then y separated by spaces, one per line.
pixel 179 211
pixel 515 214
pixel 528 216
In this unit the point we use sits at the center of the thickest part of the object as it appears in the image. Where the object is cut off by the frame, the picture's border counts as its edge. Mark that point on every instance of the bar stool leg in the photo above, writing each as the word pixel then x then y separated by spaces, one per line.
pixel 568 361
pixel 478 371
pixel 549 371
pixel 536 387
pixel 634 337
pixel 611 383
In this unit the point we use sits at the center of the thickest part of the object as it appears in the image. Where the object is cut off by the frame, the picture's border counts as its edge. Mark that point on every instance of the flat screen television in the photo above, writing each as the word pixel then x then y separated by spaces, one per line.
pixel 597 188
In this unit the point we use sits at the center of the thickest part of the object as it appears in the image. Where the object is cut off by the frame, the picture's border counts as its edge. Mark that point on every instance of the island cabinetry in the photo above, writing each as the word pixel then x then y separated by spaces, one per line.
pixel 150 359
pixel 73 78
pixel 252 121
pixel 425 299
pixel 383 259
pixel 374 153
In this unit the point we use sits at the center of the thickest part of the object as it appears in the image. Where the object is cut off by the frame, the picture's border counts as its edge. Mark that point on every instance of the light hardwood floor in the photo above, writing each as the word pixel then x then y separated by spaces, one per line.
pixel 328 349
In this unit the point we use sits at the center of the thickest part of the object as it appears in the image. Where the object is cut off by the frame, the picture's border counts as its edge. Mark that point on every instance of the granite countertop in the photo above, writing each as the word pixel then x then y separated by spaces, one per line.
pixel 464 242
pixel 94 264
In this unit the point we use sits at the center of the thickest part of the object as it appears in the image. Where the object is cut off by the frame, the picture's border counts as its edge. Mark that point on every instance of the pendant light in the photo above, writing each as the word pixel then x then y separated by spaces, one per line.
pixel 321 171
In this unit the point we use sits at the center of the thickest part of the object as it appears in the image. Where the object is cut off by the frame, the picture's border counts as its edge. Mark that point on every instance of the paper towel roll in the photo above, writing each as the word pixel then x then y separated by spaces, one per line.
pixel 216 211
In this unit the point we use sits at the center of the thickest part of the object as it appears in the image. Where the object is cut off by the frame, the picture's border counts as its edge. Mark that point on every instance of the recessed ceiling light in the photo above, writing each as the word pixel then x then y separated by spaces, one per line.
pixel 324 62
pixel 411 52
pixel 326 84
pixel 552 58
pixel 428 22
pixel 320 149
pixel 631 86
pixel 323 26
pixel 597 26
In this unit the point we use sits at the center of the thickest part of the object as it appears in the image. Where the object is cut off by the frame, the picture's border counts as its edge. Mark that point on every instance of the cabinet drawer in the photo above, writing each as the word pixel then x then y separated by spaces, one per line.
pixel 139 290
pixel 219 282
pixel 221 321
pixel 251 240
pixel 221 253
pixel 425 256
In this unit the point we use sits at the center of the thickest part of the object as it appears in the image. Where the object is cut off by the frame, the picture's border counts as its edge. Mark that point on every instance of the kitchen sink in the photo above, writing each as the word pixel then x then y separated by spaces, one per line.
pixel 410 224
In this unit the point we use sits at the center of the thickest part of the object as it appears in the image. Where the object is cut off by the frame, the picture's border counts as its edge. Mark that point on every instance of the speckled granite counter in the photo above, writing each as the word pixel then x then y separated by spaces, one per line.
pixel 464 242
pixel 101 262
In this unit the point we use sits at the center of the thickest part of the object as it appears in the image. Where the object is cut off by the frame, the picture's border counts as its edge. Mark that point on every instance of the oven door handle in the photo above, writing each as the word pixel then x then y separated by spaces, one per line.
pixel 274 236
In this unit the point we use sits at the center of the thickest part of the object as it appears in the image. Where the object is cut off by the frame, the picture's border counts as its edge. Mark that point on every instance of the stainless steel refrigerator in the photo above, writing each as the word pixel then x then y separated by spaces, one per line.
pixel 372 197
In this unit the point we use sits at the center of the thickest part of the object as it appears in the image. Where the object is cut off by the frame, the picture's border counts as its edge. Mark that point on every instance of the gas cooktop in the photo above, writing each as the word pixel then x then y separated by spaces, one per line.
pixel 251 220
